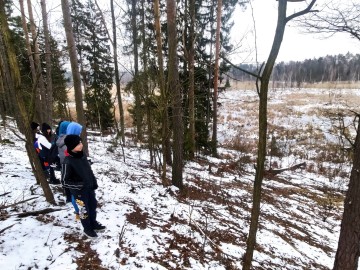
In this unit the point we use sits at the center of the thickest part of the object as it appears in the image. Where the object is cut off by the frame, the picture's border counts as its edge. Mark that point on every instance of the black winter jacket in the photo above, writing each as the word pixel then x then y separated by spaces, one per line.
pixel 77 173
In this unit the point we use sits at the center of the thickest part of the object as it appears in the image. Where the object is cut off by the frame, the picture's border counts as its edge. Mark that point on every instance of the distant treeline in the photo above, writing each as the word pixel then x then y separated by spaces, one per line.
pixel 329 68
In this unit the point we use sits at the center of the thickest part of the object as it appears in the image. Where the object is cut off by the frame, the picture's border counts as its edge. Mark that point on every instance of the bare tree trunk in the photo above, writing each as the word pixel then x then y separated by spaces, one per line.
pixel 348 252
pixel 7 101
pixel 37 62
pixel 263 95
pixel 75 71
pixel 48 55
pixel 138 114
pixel 36 106
pixel 164 97
pixel 216 77
pixel 192 81
pixel 145 85
pixel 10 72
pixel 210 67
pixel 117 76
pixel 3 103
pixel 173 84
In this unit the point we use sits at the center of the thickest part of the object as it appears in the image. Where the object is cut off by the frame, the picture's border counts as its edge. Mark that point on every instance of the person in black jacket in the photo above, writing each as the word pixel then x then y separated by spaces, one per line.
pixel 50 155
pixel 78 176
pixel 43 148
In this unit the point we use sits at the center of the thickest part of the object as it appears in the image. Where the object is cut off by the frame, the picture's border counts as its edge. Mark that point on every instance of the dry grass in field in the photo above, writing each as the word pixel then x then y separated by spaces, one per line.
pixel 250 85
pixel 333 85
pixel 126 101
pixel 302 123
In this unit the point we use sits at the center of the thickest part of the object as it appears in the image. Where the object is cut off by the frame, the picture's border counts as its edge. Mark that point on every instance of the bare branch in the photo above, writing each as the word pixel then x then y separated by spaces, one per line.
pixel 292 168
pixel 239 68
pixel 103 21
pixel 342 17
pixel 38 212
pixel 8 227
pixel 303 12
pixel 14 204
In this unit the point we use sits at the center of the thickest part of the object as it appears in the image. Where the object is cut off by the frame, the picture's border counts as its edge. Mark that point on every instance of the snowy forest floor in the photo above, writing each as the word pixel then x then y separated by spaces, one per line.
pixel 150 226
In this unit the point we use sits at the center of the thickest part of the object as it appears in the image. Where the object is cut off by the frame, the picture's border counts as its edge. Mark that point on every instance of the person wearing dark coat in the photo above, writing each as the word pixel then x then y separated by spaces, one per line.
pixel 46 132
pixel 77 128
pixel 61 150
pixel 78 176
pixel 42 146
pixel 35 127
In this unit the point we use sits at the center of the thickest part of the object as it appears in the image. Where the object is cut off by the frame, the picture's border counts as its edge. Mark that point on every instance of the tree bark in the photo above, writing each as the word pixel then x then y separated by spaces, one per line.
pixel 71 46
pixel 263 95
pixel 216 77
pixel 163 93
pixel 145 86
pixel 49 88
pixel 136 88
pixel 210 65
pixel 117 76
pixel 173 84
pixel 35 109
pixel 10 72
pixel 348 252
pixel 38 69
pixel 192 81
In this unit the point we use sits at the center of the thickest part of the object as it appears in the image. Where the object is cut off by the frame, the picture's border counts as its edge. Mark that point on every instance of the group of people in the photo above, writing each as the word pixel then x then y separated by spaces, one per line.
pixel 77 177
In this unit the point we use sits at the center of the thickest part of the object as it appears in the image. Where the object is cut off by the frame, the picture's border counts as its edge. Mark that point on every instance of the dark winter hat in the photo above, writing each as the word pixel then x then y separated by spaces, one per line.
pixel 71 141
pixel 34 125
pixel 44 128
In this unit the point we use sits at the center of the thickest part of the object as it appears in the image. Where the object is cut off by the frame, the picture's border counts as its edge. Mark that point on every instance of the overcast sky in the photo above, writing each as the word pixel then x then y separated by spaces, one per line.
pixel 295 46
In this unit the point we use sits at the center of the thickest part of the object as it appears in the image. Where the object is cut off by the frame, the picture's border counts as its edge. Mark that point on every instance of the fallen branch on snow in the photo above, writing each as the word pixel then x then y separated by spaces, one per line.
pixel 193 222
pixel 292 168
pixel 14 204
pixel 39 212
pixel 8 227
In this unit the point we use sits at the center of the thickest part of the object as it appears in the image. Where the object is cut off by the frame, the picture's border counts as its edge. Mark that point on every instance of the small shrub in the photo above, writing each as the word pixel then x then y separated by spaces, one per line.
pixel 242 145
pixel 246 159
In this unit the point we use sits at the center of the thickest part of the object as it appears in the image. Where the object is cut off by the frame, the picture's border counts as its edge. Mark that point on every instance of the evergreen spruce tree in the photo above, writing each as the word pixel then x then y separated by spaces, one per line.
pixel 80 17
pixel 101 72
pixel 204 61
pixel 95 63
pixel 59 81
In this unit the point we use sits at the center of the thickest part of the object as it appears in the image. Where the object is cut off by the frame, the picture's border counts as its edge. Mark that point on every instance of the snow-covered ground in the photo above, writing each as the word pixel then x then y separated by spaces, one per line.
pixel 149 226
